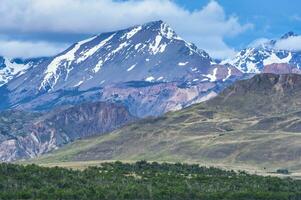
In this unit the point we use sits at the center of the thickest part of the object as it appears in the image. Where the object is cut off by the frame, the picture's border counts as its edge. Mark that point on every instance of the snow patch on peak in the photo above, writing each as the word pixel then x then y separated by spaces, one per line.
pixel 274 59
pixel 132 32
pixel 252 68
pixel 130 68
pixel 78 84
pixel 212 77
pixel 229 74
pixel 182 63
pixel 11 70
pixel 121 46
pixel 84 55
pixel 150 79
pixel 160 78
pixel 155 47
pixel 245 60
pixel 15 69
pixel 167 32
pixel 137 46
pixel 51 75
pixel 97 66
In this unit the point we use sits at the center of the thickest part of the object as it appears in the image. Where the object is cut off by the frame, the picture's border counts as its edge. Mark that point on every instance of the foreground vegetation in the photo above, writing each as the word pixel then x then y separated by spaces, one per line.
pixel 141 180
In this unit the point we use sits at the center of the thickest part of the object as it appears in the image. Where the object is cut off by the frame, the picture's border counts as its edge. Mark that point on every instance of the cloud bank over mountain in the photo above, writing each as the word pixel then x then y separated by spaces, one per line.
pixel 291 43
pixel 207 26
pixel 28 49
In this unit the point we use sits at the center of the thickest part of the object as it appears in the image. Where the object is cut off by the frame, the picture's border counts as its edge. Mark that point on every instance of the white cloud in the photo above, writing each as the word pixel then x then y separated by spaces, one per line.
pixel 292 43
pixel 25 49
pixel 209 23
pixel 296 17
pixel 215 46
pixel 259 42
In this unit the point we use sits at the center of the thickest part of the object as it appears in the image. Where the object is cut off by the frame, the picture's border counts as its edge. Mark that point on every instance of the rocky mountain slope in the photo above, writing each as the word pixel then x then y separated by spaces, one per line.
pixel 132 66
pixel 12 68
pixel 144 55
pixel 146 70
pixel 27 135
pixel 266 57
pixel 254 123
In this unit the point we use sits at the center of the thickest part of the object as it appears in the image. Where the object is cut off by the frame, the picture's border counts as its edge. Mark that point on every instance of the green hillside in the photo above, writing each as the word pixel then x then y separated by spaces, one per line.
pixel 252 125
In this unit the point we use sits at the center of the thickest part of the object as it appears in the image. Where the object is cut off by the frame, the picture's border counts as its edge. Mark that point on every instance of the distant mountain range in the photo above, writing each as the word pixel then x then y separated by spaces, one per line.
pixel 130 66
pixel 142 71
pixel 150 56
pixel 267 58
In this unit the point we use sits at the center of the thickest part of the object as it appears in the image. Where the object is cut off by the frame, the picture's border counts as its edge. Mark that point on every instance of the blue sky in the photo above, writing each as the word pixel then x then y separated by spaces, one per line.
pixel 221 27
pixel 271 18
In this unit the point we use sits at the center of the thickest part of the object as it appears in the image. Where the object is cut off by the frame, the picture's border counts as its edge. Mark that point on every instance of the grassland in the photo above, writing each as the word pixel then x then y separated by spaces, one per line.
pixel 214 139
pixel 254 125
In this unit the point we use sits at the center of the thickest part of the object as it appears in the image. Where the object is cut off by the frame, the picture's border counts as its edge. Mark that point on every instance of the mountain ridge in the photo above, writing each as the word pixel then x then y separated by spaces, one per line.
pixel 26 135
pixel 255 59
pixel 152 52
pixel 226 130
pixel 148 69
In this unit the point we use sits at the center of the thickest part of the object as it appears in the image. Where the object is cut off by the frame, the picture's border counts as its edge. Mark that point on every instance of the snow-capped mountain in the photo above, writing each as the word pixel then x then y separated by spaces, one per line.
pixel 151 52
pixel 145 55
pixel 11 68
pixel 265 57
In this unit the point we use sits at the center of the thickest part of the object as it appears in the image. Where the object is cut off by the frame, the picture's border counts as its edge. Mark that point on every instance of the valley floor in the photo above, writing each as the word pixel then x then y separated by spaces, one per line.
pixel 81 165
pixel 264 153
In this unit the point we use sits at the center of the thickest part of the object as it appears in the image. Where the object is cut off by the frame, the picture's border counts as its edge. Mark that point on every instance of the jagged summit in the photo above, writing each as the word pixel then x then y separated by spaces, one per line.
pixel 146 55
pixel 267 55
pixel 11 68
pixel 288 35
pixel 149 46
pixel 270 44
pixel 156 26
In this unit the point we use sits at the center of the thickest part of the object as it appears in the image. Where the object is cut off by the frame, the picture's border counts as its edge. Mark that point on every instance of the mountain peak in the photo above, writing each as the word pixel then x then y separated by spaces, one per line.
pixel 288 35
pixel 153 23
pixel 163 28
pixel 150 52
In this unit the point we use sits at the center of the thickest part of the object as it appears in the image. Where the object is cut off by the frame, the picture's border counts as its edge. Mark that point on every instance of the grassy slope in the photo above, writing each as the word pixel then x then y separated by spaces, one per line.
pixel 253 130
pixel 215 141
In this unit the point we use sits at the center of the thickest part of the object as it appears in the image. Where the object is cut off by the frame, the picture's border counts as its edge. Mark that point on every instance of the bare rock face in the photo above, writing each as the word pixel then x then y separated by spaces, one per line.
pixel 85 120
pixel 281 68
pixel 141 71
pixel 49 131
pixel 157 99
pixel 223 72
pixel 120 104
pixel 150 54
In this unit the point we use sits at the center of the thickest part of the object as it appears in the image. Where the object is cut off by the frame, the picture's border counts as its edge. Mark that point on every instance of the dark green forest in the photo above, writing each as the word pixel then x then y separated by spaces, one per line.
pixel 141 180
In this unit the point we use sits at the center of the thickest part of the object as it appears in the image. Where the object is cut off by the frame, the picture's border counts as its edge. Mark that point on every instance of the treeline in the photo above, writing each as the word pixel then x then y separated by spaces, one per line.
pixel 141 180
